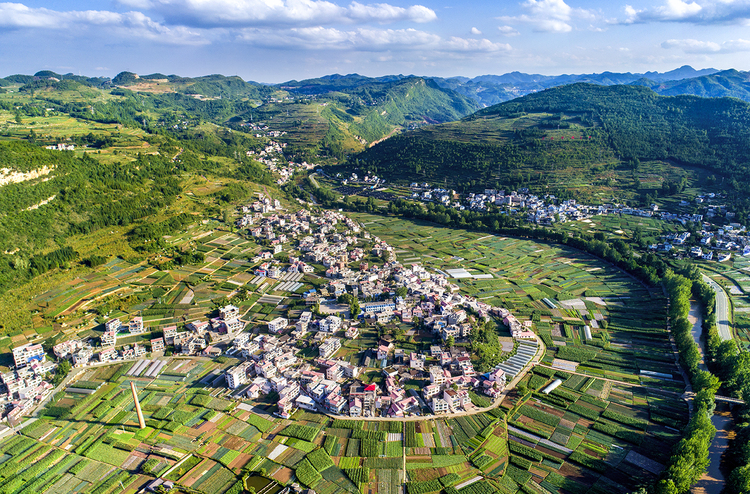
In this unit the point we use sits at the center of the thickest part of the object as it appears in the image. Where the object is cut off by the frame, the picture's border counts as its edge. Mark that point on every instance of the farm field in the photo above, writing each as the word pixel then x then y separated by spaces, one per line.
pixel 586 438
pixel 625 319
pixel 734 277
pixel 607 428
pixel 163 298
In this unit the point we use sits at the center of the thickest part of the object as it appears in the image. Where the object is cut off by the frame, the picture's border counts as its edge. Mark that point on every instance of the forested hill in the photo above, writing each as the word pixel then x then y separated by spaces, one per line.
pixel 572 129
pixel 639 124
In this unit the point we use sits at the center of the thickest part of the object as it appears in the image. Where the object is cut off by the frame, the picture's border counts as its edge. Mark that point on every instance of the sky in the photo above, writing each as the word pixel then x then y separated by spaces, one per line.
pixel 274 41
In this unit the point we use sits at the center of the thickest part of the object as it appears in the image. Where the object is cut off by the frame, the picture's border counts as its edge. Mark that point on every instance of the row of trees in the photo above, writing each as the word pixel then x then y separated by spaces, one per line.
pixel 690 456
pixel 647 267
pixel 732 366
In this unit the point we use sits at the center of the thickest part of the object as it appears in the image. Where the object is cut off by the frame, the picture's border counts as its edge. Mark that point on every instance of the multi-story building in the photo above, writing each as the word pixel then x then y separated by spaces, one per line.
pixel 278 324
pixel 82 356
pixel 437 375
pixel 229 312
pixel 136 325
pixel 25 354
pixel 169 334
pixel 107 355
pixel 376 307
pixel 330 324
pixel 237 376
pixel 112 325
pixel 234 325
pixel 109 338
pixel 67 348
pixel 329 347
pixel 439 406
pixel 334 402
pixel 157 345
pixel 355 407
pixel 334 373
pixel 417 361
pixel 430 391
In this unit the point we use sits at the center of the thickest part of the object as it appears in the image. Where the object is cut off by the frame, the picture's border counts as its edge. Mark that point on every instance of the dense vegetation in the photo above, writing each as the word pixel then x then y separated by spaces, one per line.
pixel 84 196
pixel 511 143
pixel 690 456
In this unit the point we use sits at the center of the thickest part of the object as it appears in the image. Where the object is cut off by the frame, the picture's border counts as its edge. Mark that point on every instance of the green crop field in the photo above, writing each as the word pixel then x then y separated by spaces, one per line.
pixel 592 431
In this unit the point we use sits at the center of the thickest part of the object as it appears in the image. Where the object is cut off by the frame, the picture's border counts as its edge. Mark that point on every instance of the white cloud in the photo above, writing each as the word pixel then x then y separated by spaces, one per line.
pixel 692 11
pixel 367 39
pixel 695 46
pixel 508 31
pixel 383 12
pixel 291 13
pixel 454 44
pixel 549 16
pixel 475 31
pixel 134 25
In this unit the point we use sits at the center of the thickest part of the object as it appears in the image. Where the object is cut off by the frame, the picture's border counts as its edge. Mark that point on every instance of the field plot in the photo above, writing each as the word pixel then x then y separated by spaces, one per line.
pixel 163 297
pixel 602 329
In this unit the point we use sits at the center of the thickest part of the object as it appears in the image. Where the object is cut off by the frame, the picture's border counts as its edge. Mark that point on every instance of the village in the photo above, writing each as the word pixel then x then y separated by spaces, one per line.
pixel 302 357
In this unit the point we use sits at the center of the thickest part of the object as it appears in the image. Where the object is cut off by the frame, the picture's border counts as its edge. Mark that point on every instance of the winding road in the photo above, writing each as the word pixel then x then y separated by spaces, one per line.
pixel 723 319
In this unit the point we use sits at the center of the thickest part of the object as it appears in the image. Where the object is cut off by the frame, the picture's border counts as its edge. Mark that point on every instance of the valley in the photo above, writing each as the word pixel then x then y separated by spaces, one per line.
pixel 353 284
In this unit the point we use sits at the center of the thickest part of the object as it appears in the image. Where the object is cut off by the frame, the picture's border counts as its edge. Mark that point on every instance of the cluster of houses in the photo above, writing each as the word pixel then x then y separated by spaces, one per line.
pixel 369 180
pixel 61 146
pixel 25 385
pixel 272 156
pixel 330 382
pixel 718 243
pixel 547 209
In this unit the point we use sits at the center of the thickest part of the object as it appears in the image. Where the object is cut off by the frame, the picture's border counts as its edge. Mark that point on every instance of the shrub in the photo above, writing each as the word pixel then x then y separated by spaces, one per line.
pixel 423 487
pixel 522 463
pixel 625 419
pixel 481 461
pixel 540 416
pixel 584 411
pixel 260 423
pixel 450 479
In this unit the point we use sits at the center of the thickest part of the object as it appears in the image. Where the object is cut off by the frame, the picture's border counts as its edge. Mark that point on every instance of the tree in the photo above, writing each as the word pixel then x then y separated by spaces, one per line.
pixel 354 307
pixel 227 217
pixel 402 291
pixel 450 341
pixel 63 368
pixel 666 487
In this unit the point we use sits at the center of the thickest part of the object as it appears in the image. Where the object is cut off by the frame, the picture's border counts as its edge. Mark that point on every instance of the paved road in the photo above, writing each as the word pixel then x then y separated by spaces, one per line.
pixel 723 319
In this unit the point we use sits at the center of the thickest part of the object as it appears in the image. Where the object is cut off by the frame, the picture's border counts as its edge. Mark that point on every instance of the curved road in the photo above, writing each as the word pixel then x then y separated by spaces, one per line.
pixel 541 350
pixel 723 319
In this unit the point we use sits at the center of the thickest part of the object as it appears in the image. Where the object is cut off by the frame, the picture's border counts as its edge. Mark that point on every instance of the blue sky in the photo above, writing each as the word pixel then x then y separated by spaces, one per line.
pixel 279 40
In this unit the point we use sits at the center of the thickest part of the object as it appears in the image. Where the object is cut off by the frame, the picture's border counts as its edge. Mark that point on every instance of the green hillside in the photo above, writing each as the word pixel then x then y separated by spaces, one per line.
pixel 728 83
pixel 345 118
pixel 578 132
